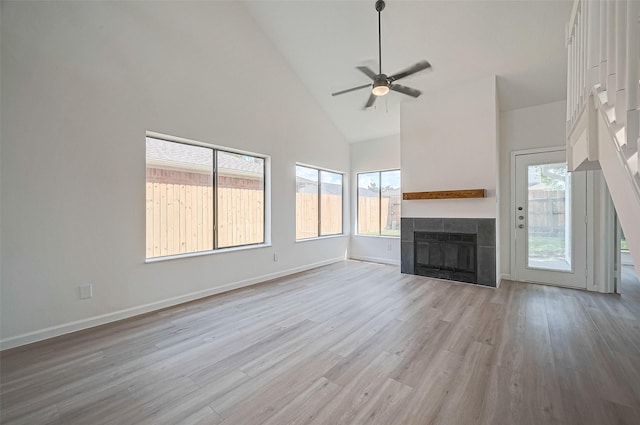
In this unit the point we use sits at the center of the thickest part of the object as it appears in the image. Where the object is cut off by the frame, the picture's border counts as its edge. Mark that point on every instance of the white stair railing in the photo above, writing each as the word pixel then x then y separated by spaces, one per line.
pixel 603 102
pixel 603 45
pixel 633 81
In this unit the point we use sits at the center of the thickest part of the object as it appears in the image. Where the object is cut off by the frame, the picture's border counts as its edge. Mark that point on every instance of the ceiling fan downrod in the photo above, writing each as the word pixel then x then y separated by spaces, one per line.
pixel 379 7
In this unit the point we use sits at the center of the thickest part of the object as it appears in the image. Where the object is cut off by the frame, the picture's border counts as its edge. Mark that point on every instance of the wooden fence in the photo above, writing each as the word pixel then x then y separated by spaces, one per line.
pixel 307 215
pixel 179 218
pixel 369 211
pixel 379 219
pixel 546 212
pixel 240 216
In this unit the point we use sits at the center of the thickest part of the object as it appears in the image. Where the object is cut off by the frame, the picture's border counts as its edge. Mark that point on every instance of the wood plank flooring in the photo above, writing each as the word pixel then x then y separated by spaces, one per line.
pixel 351 343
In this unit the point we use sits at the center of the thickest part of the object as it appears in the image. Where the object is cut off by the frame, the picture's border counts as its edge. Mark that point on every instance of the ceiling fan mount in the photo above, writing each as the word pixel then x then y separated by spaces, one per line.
pixel 382 83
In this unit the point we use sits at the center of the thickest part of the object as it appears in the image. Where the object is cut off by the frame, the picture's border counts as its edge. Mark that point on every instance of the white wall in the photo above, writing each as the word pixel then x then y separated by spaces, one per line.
pixel 82 82
pixel 536 127
pixel 449 142
pixel 373 155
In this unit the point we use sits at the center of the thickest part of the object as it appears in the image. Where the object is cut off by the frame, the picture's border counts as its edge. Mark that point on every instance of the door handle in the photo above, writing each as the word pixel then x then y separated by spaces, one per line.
pixel 520 226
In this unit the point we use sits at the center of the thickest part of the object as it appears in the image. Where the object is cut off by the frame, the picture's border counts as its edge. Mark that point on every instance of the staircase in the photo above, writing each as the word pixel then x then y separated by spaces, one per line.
pixel 603 105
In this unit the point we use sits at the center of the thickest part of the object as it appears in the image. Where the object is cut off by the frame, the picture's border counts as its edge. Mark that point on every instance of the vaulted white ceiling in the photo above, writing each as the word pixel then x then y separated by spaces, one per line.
pixel 521 42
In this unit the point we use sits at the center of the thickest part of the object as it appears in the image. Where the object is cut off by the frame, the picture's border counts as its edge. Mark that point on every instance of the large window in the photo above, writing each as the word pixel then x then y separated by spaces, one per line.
pixel 318 202
pixel 194 206
pixel 379 199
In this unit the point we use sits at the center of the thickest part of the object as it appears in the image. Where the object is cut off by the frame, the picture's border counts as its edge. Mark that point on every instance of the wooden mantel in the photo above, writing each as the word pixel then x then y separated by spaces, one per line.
pixel 444 194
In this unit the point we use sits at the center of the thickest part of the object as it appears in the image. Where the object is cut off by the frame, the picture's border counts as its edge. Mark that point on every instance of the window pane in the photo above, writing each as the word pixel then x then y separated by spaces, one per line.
pixel 390 203
pixel 179 193
pixel 240 199
pixel 306 202
pixel 369 204
pixel 330 203
pixel 549 217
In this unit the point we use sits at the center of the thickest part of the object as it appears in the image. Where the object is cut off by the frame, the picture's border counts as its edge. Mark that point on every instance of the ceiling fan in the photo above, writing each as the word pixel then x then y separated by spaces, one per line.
pixel 382 83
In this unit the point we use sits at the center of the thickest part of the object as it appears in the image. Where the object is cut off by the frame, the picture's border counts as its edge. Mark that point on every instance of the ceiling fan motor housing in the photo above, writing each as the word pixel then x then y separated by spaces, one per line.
pixel 380 85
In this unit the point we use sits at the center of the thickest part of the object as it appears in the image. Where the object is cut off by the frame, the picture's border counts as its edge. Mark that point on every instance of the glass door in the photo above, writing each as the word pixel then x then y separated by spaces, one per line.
pixel 549 220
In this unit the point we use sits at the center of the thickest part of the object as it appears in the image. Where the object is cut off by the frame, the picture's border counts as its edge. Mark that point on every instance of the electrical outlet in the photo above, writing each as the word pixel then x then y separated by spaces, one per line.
pixel 85 291
pixel 275 257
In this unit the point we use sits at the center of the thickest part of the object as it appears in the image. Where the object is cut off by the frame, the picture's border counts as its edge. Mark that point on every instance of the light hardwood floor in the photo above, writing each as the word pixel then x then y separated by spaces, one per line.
pixel 351 343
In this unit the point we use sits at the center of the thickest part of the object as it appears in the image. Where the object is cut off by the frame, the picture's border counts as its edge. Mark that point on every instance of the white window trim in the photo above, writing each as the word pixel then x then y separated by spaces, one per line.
pixel 380 235
pixel 267 198
pixel 333 235
pixel 203 253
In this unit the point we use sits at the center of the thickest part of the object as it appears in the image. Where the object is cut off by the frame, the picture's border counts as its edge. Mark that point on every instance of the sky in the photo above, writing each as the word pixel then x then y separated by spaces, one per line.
pixel 388 178
pixel 312 174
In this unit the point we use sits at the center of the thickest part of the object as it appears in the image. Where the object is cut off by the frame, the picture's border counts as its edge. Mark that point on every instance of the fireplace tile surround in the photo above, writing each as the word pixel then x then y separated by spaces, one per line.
pixel 483 228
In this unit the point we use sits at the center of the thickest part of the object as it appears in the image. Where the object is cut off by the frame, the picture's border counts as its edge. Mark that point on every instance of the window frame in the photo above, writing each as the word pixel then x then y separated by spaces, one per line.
pixel 379 172
pixel 216 245
pixel 319 170
pixel 266 180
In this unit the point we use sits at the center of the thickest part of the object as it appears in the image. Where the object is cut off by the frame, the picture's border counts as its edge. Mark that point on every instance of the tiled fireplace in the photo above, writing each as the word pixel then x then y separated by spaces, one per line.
pixel 461 249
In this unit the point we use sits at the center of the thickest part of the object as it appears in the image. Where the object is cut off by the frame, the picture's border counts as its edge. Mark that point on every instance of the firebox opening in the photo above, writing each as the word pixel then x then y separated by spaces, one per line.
pixel 451 256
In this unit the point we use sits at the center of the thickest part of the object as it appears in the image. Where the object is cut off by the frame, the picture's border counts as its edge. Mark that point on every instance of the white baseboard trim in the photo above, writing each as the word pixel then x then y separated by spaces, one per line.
pixel 376 260
pixel 503 276
pixel 78 325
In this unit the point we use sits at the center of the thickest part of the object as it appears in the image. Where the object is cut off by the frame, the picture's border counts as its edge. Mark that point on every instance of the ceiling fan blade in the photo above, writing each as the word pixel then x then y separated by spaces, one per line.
pixel 367 71
pixel 372 99
pixel 405 90
pixel 350 90
pixel 411 70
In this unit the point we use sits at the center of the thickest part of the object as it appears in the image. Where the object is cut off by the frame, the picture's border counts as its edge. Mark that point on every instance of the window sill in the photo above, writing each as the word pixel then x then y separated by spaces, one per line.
pixel 342 235
pixel 202 253
pixel 377 236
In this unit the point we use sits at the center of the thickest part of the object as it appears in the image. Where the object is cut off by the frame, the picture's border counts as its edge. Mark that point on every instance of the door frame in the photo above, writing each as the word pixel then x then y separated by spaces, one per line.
pixel 589 213
pixel 617 256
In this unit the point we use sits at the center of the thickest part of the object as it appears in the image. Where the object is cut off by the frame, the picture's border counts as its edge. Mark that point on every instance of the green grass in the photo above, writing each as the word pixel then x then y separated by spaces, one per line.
pixel 546 246
pixel 623 245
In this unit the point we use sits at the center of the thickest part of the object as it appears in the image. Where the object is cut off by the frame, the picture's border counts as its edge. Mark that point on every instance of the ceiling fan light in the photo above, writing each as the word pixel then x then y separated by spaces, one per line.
pixel 380 89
